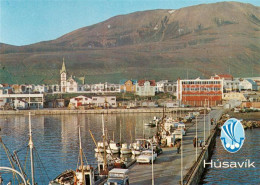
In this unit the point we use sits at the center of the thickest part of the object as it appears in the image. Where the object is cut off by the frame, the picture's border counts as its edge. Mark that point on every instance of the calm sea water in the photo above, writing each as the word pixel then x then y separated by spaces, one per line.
pixel 235 176
pixel 56 139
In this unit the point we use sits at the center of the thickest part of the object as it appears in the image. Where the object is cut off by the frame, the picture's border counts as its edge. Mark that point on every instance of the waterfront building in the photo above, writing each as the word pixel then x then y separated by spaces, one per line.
pixel 198 92
pixel 145 88
pixel 80 101
pixel 128 86
pixel 20 104
pixel 104 101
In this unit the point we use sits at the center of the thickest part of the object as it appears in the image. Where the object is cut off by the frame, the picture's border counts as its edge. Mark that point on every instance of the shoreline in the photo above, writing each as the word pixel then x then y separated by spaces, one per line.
pixel 97 111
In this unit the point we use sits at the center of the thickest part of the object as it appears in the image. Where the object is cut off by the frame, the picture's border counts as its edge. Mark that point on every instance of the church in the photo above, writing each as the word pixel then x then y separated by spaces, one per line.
pixel 67 85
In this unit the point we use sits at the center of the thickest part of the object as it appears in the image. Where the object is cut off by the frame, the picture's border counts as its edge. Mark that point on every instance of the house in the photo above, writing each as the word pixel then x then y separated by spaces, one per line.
pixel 112 88
pixel 98 88
pixel 20 104
pixel 128 86
pixel 80 101
pixel 198 92
pixel 146 88
pixel 16 88
pixel 160 86
pixel 170 87
pixel 40 89
pixel 247 84
pixel 104 101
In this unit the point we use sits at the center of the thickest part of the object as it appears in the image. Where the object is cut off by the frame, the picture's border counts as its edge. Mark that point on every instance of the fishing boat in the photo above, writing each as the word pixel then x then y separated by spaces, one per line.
pixel 113 148
pixel 125 149
pixel 84 174
pixel 136 148
pixel 100 147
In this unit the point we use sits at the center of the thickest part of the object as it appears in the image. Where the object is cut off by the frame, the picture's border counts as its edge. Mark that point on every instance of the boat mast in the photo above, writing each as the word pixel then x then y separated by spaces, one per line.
pixel 81 157
pixel 104 145
pixel 31 148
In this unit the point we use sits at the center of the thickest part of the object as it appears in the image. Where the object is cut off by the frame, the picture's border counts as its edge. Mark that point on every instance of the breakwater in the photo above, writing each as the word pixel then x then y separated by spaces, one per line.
pixel 97 111
pixel 195 172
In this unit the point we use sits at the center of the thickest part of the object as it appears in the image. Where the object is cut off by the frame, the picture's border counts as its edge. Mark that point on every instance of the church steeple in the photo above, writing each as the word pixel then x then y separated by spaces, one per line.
pixel 63 78
pixel 63 69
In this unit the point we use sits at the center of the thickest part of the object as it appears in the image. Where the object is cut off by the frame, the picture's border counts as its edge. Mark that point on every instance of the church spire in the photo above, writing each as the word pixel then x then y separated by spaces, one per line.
pixel 63 69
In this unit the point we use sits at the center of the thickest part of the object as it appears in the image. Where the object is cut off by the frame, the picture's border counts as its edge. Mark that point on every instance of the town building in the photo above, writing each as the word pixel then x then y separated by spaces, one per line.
pixel 104 101
pixel 71 85
pixel 146 88
pixel 20 104
pixel 128 86
pixel 80 101
pixel 160 86
pixel 247 85
pixel 170 87
pixel 198 92
pixel 111 88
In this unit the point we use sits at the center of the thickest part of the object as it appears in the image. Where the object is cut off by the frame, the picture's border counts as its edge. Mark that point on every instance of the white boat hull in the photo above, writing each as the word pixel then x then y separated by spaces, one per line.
pixel 112 151
pixel 136 152
pixel 99 150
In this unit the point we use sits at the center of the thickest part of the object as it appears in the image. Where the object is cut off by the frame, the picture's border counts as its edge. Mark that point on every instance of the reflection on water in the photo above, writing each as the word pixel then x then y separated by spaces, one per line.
pixel 235 176
pixel 56 137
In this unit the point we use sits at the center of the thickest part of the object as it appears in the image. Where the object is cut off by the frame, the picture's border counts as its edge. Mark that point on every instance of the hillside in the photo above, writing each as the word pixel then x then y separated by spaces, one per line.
pixel 158 44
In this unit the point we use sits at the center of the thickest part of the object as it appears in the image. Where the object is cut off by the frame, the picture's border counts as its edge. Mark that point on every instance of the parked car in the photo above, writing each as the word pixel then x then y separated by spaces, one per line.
pixel 118 176
pixel 146 157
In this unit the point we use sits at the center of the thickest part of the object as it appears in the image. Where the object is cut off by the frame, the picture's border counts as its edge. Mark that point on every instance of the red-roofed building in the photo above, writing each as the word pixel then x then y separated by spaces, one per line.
pixel 146 88
pixel 223 76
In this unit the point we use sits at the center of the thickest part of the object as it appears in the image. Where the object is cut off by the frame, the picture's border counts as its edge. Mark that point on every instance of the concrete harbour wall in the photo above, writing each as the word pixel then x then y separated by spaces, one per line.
pixel 196 171
pixel 97 111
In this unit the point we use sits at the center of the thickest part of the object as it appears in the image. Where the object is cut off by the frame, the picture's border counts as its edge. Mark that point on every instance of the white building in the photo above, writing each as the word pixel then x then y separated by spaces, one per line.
pixel 71 85
pixel 113 88
pixel 160 86
pixel 97 88
pixel 40 88
pixel 20 104
pixel 80 101
pixel 145 88
pixel 247 84
pixel 231 85
pixel 104 101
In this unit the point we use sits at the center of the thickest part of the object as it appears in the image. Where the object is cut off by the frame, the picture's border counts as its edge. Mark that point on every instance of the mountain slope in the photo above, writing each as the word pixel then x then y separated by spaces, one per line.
pixel 158 44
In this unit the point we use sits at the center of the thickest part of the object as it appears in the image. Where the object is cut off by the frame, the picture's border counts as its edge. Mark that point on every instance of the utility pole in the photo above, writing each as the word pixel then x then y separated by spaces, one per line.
pixel 196 138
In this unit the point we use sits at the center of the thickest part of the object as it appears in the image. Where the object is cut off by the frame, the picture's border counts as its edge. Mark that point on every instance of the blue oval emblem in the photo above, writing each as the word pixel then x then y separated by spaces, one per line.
pixel 232 135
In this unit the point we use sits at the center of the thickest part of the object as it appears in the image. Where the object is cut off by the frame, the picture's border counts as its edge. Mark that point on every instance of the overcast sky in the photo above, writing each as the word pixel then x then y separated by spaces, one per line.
pixel 25 22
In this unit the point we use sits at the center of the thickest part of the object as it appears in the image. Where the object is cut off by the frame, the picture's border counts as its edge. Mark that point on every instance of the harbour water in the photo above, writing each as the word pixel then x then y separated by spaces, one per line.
pixel 56 138
pixel 236 176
